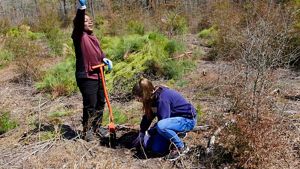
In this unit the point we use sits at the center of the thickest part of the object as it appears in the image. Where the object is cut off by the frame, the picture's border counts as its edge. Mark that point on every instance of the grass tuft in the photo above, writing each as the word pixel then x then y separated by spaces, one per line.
pixel 6 123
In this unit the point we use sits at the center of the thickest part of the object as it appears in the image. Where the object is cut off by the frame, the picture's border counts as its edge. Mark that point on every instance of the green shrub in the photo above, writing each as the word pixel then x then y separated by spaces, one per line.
pixel 175 23
pixel 58 114
pixel 155 36
pixel 173 46
pixel 136 27
pixel 21 42
pixel 181 83
pixel 117 47
pixel 174 69
pixel 25 50
pixel 25 29
pixel 126 71
pixel 152 58
pixel 99 29
pixel 211 34
pixel 119 117
pixel 200 113
pixel 5 57
pixel 22 47
pixel 14 32
pixel 48 135
pixel 208 33
pixel 60 80
pixel 6 123
pixel 198 53
pixel 56 39
pixel 4 25
pixel 99 21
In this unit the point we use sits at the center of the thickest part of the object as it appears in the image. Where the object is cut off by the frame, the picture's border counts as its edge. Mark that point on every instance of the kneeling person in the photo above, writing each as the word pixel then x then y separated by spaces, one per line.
pixel 174 114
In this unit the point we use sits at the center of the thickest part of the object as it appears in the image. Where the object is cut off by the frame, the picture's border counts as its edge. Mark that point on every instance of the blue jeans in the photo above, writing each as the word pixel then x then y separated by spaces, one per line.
pixel 170 126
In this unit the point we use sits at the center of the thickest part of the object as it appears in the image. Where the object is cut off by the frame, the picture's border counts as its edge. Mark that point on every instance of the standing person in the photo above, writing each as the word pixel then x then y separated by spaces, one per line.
pixel 89 53
pixel 174 114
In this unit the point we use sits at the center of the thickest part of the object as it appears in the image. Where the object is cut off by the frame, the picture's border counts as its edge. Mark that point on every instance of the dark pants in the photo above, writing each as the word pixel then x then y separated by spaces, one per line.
pixel 93 102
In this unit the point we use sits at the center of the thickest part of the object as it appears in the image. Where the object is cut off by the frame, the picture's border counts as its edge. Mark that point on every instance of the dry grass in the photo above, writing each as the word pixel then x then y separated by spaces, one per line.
pixel 24 148
pixel 259 136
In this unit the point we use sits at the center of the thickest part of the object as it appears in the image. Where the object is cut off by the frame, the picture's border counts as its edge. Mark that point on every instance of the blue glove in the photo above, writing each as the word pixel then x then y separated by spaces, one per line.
pixel 82 2
pixel 108 63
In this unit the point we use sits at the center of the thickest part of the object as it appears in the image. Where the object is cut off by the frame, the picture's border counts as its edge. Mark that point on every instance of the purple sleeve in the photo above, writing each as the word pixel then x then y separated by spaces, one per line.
pixel 145 124
pixel 163 110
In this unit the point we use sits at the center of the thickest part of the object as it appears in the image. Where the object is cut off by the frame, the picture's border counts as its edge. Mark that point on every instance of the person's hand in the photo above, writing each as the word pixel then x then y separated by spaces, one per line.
pixel 139 140
pixel 82 2
pixel 146 138
pixel 108 63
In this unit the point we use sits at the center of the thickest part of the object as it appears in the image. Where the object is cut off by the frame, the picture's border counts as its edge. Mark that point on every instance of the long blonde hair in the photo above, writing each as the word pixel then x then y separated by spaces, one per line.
pixel 144 89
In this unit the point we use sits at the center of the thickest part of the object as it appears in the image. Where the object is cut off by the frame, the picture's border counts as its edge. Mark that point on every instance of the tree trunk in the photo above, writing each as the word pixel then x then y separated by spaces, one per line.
pixel 75 5
pixel 92 9
pixel 65 8
pixel 37 9
pixel 65 15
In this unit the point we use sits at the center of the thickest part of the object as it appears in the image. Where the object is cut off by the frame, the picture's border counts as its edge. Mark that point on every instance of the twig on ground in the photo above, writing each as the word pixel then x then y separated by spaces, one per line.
pixel 18 156
pixel 211 142
pixel 89 151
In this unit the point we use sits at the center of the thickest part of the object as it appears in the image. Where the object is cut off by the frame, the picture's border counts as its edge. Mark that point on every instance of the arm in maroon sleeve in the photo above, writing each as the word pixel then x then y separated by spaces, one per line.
pixel 78 24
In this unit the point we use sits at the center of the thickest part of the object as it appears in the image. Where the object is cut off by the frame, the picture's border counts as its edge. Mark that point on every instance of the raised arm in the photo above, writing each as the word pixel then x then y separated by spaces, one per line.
pixel 79 20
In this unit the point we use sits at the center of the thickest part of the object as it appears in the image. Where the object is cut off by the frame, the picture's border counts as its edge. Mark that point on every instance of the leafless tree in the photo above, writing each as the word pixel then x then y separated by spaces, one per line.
pixel 37 7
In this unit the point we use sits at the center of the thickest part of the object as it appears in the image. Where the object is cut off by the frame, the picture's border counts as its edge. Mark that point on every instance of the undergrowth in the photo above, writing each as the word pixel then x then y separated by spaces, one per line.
pixel 133 56
pixel 59 80
pixel 119 117
pixel 6 123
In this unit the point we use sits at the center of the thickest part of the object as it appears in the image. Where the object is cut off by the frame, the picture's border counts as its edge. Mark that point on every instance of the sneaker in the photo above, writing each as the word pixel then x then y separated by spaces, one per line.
pixel 182 135
pixel 102 132
pixel 89 136
pixel 176 153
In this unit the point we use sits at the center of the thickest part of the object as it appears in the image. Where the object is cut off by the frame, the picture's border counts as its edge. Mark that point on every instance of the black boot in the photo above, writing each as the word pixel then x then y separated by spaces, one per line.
pixel 88 132
pixel 101 131
pixel 89 135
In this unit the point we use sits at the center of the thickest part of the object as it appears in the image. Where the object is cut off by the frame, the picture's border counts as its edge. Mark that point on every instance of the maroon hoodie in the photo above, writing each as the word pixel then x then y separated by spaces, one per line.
pixel 87 49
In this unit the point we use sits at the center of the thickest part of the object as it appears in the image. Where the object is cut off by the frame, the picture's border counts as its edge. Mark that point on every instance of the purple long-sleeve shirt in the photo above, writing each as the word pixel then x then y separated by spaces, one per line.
pixel 169 103
pixel 87 49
